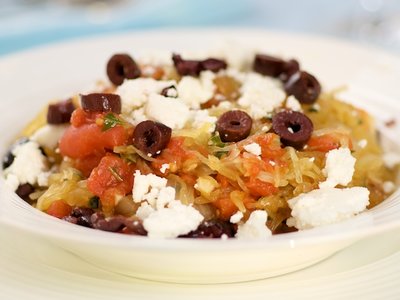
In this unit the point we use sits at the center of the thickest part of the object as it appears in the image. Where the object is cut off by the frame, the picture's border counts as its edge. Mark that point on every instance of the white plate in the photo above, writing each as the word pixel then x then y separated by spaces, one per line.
pixel 33 269
pixel 30 79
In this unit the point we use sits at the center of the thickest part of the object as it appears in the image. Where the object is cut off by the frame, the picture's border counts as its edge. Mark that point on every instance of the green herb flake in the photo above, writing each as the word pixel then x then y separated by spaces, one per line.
pixel 114 173
pixel 215 140
pixel 110 121
pixel 94 202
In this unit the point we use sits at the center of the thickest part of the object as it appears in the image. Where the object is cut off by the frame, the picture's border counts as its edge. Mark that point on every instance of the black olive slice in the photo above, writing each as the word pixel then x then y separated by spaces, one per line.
pixel 151 137
pixel 294 128
pixel 121 67
pixel 60 113
pixel 101 102
pixel 304 86
pixel 234 126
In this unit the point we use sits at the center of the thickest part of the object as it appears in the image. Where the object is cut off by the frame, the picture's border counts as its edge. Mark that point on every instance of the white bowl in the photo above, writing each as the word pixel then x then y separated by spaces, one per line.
pixel 30 79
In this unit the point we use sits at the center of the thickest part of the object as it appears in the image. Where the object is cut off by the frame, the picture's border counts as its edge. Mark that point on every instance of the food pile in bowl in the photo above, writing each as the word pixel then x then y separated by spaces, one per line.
pixel 201 148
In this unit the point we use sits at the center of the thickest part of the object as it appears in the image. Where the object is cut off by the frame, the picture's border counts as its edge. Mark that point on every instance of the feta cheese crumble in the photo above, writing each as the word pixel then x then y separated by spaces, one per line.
pixel 261 95
pixel 164 168
pixel 153 189
pixel 236 217
pixel 169 111
pixel 195 91
pixel 162 215
pixel 339 168
pixel 362 143
pixel 253 148
pixel 29 163
pixel 293 104
pixel 327 206
pixel 255 227
pixel 170 222
pixel 49 135
pixel 135 93
pixel 201 117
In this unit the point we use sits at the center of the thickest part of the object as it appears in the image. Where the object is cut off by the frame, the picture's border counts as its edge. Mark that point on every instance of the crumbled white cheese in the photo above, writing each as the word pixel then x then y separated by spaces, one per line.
pixel 388 187
pixel 12 182
pixel 293 104
pixel 169 111
pixel 225 105
pixel 153 189
pixel 261 95
pixel 137 116
pixel 135 93
pixel 362 143
pixel 255 227
pixel 164 168
pixel 327 206
pixel 253 148
pixel 339 167
pixel 391 159
pixel 49 135
pixel 236 217
pixel 201 117
pixel 144 210
pixel 43 178
pixel 28 164
pixel 311 159
pixel 195 91
pixel 172 221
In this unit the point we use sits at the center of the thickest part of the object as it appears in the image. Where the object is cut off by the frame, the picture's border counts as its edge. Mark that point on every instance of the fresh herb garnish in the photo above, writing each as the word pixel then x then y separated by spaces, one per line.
pixel 110 121
pixel 215 141
pixel 94 202
pixel 114 173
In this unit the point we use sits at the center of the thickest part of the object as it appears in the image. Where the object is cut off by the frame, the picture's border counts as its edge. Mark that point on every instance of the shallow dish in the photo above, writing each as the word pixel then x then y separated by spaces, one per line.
pixel 30 79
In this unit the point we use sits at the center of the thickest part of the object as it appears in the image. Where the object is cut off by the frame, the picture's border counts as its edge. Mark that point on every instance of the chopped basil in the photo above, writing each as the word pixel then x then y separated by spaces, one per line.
pixel 313 109
pixel 110 121
pixel 94 202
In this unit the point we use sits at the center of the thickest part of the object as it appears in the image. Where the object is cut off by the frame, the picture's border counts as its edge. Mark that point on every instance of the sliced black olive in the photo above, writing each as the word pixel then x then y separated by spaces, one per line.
pixel 61 112
pixel 101 102
pixel 135 226
pixel 186 67
pixel 212 229
pixel 234 126
pixel 113 224
pixel 213 64
pixel 268 65
pixel 169 91
pixel 151 137
pixel 290 67
pixel 8 159
pixel 194 67
pixel 24 190
pixel 294 128
pixel 304 86
pixel 121 67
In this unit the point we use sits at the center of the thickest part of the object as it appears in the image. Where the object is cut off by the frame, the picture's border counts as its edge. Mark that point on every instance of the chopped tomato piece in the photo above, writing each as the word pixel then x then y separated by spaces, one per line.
pixel 59 209
pixel 88 163
pixel 260 188
pixel 112 172
pixel 174 154
pixel 89 139
pixel 270 146
pixel 327 142
pixel 112 178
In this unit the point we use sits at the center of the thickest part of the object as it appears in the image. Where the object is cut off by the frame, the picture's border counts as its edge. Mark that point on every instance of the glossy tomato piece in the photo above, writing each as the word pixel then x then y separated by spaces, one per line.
pixel 59 209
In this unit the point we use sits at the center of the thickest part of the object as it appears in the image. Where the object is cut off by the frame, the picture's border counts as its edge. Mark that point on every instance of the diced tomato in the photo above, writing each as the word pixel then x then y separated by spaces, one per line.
pixel 174 154
pixel 225 206
pixel 112 172
pixel 88 163
pixel 80 117
pixel 270 146
pixel 59 209
pixel 112 178
pixel 260 188
pixel 327 142
pixel 89 139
